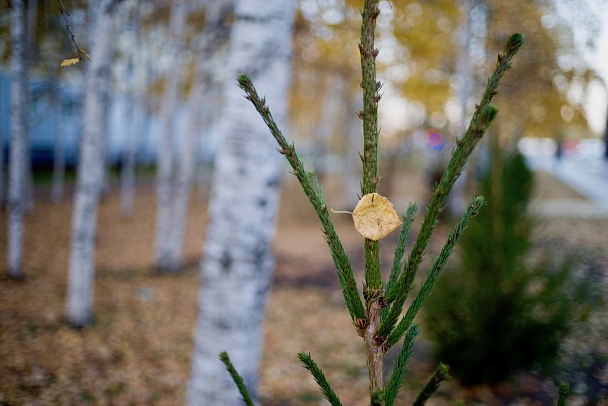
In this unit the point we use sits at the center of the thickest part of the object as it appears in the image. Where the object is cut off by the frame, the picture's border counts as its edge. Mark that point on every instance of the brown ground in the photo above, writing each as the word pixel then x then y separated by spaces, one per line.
pixel 138 351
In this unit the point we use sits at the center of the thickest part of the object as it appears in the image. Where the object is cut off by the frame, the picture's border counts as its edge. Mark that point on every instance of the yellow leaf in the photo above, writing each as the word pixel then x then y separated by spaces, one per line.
pixel 70 62
pixel 85 54
pixel 374 217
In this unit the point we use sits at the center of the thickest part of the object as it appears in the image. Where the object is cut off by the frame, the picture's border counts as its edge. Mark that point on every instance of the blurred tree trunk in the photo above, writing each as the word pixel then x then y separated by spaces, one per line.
pixel 134 117
pixel 2 181
pixel 211 55
pixel 177 29
pixel 127 175
pixel 30 60
pixel 330 114
pixel 352 170
pixel 238 264
pixel 90 172
pixel 58 187
pixel 606 138
pixel 456 201
pixel 18 141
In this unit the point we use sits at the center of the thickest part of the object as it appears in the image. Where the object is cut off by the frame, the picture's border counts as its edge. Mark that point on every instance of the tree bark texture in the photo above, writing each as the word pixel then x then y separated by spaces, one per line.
pixel 18 141
pixel 90 174
pixel 177 28
pixel 237 264
pixel 134 117
pixel 211 53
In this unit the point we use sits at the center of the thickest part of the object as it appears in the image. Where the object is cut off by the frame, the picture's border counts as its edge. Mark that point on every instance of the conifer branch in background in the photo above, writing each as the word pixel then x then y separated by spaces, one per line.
pixel 319 377
pixel 564 390
pixel 237 379
pixel 440 375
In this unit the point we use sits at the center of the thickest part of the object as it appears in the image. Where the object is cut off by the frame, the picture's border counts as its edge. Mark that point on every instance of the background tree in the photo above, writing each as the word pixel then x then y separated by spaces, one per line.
pixel 237 265
pixel 18 141
pixel 501 310
pixel 90 172
pixel 134 70
pixel 165 161
pixel 208 80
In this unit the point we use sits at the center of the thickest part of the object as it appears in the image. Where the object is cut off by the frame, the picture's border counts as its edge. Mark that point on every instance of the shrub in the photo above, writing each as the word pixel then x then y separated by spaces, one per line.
pixel 500 310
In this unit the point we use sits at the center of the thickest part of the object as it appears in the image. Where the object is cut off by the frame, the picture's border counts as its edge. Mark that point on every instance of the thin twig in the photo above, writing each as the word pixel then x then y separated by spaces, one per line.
pixel 65 15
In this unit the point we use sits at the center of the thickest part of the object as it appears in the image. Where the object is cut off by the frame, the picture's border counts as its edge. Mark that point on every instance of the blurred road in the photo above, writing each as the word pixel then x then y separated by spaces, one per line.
pixel 589 177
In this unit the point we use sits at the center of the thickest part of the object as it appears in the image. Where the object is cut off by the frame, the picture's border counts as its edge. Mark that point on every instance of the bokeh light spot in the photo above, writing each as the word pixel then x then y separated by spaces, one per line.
pixel 436 141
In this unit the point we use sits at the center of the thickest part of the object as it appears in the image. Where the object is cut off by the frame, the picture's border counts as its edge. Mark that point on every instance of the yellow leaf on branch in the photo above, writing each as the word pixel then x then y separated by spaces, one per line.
pixel 375 217
pixel 70 62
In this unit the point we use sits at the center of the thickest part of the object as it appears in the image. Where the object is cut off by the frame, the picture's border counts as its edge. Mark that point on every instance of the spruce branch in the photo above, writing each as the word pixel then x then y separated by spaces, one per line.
pixel 311 188
pixel 319 377
pixel 236 378
pixel 400 367
pixel 369 115
pixel 431 280
pixel 564 390
pixel 402 240
pixel 482 117
pixel 373 289
pixel 441 374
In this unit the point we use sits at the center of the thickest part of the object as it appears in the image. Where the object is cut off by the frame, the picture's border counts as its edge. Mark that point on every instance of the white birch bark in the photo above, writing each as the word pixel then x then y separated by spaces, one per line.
pixel 134 116
pixel 18 141
pixel 164 191
pixel 30 60
pixel 352 169
pixel 330 114
pixel 57 189
pixel 2 181
pixel 127 175
pixel 211 53
pixel 90 173
pixel 237 265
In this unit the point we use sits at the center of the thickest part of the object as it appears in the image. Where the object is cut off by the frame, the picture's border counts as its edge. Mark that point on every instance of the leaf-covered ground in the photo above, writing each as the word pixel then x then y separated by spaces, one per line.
pixel 138 351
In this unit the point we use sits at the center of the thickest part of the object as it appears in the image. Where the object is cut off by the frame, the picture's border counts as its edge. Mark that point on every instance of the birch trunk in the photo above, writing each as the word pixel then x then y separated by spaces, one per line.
pixel 177 28
pixel 456 200
pixel 30 60
pixel 606 139
pixel 237 265
pixel 212 53
pixel 57 190
pixel 133 119
pixel 18 141
pixel 90 173
pixel 2 181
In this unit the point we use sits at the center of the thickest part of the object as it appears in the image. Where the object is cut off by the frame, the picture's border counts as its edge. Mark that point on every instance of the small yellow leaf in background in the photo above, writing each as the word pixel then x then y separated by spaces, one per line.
pixel 375 217
pixel 85 54
pixel 70 62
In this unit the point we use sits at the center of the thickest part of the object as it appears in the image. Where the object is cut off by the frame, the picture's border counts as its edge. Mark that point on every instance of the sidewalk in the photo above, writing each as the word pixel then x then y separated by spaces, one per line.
pixel 589 177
